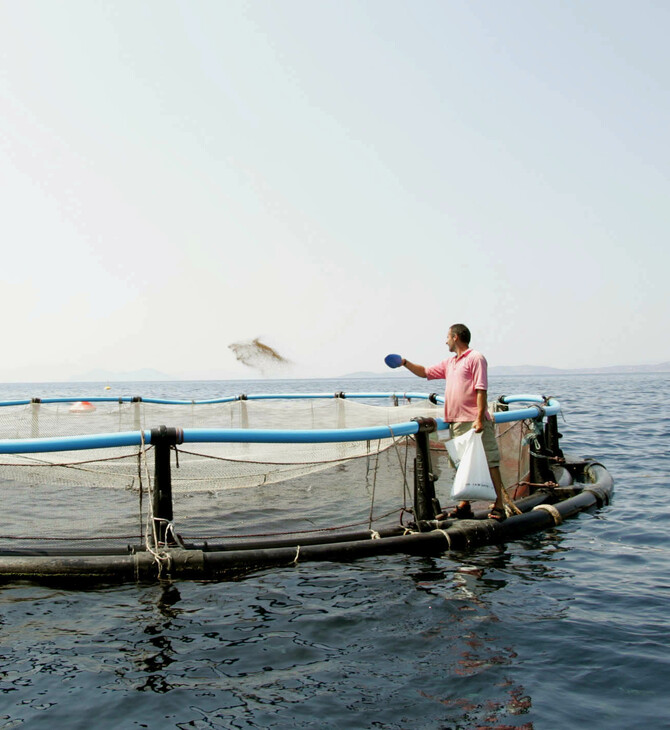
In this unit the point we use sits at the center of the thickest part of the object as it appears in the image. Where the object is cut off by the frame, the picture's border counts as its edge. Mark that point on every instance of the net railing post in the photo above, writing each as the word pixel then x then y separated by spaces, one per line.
pixel 162 440
pixel 35 418
pixel 137 409
pixel 540 454
pixel 552 436
pixel 426 505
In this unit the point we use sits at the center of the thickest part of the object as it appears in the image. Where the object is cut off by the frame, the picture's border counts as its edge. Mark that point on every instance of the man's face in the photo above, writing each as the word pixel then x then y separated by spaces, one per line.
pixel 451 341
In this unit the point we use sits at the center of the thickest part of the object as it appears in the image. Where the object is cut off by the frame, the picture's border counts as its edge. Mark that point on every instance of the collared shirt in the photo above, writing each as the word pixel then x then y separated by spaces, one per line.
pixel 465 374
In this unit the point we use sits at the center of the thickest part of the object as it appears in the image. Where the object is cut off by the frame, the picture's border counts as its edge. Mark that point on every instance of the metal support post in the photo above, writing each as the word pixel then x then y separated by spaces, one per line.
pixel 552 436
pixel 426 505
pixel 162 439
pixel 540 471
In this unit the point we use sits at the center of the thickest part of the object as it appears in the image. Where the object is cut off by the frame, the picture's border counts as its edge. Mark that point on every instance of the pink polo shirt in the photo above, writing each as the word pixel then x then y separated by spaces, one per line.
pixel 464 375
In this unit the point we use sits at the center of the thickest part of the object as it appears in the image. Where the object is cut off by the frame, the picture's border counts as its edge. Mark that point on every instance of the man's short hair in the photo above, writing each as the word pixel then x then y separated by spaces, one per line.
pixel 462 332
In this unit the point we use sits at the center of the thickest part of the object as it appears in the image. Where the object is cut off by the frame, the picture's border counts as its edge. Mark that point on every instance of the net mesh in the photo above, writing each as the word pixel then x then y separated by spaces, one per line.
pixel 208 466
pixel 218 489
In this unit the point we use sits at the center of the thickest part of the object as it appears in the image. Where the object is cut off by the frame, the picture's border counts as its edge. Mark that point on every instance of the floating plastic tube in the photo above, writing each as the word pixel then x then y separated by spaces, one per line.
pixel 73 443
pixel 275 436
pixel 522 398
pixel 133 438
pixel 551 408
pixel 210 401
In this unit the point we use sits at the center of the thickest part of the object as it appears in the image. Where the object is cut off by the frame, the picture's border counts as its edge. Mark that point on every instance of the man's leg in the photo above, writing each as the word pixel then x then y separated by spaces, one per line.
pixel 493 457
pixel 496 478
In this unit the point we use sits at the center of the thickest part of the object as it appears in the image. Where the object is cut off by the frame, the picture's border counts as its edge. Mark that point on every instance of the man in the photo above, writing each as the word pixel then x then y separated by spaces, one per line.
pixel 466 406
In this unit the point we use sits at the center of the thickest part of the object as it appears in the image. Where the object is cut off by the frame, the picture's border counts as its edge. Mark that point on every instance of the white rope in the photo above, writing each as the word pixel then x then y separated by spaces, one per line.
pixel 374 535
pixel 445 534
pixel 170 530
pixel 403 468
pixel 510 508
pixel 374 486
pixel 558 519
pixel 297 555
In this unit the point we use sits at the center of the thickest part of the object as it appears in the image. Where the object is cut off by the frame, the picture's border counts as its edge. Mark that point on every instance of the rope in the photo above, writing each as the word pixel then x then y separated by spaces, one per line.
pixel 276 463
pixel 558 519
pixel 510 507
pixel 404 510
pixel 74 538
pixel 296 532
pixel 141 494
pixel 445 534
pixel 170 530
pixel 546 457
pixel 374 488
pixel 403 468
pixel 33 462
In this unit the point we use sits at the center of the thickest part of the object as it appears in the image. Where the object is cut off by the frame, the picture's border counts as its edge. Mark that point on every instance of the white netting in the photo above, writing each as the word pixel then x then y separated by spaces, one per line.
pixel 207 466
pixel 217 488
pixel 43 420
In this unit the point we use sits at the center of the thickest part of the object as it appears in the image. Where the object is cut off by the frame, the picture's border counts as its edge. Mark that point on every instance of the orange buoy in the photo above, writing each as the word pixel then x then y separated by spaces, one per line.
pixel 82 406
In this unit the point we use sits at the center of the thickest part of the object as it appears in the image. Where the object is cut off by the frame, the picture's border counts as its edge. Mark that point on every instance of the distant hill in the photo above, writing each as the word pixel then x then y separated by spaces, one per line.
pixel 370 374
pixel 106 376
pixel 663 367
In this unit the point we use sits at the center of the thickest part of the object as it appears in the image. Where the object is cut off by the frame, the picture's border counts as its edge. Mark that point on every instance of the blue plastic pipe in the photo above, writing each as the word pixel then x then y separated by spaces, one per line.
pixel 212 435
pixel 522 398
pixel 551 408
pixel 209 401
pixel 311 436
pixel 133 438
pixel 73 443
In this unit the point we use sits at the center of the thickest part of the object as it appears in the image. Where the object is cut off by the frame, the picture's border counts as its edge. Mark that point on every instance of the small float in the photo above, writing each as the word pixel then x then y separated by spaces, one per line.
pixel 82 406
pixel 251 482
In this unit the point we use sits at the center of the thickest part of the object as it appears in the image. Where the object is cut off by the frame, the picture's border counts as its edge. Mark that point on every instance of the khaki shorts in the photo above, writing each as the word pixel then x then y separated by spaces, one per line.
pixel 488 439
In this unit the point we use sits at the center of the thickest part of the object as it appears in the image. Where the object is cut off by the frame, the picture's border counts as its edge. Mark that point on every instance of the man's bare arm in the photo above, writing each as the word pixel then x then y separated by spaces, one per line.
pixel 482 405
pixel 419 370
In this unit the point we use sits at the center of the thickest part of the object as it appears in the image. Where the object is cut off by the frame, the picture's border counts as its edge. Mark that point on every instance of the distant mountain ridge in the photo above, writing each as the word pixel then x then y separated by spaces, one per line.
pixel 663 367
pixel 151 374
pixel 105 376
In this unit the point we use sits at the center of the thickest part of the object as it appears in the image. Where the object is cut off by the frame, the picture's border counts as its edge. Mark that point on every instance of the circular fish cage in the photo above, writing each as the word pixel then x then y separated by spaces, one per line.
pixel 110 494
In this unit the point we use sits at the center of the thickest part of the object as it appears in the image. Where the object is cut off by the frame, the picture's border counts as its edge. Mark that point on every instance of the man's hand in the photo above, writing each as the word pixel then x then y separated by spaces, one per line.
pixel 478 423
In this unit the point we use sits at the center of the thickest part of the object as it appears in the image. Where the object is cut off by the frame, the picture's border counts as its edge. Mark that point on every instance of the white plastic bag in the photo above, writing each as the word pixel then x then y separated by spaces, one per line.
pixel 473 478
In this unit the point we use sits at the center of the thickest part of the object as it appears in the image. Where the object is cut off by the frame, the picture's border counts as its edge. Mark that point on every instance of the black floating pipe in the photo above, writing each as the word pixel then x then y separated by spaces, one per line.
pixel 199 564
pixel 426 505
pixel 163 439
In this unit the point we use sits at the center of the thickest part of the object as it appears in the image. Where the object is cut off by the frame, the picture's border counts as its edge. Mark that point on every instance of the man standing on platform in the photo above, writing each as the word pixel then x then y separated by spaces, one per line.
pixel 466 406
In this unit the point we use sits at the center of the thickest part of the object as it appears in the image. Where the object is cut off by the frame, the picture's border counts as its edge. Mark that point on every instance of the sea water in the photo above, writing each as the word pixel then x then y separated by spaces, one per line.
pixel 565 629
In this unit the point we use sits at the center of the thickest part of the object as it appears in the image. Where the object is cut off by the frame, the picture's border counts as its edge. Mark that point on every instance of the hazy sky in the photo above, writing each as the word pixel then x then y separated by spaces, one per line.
pixel 341 179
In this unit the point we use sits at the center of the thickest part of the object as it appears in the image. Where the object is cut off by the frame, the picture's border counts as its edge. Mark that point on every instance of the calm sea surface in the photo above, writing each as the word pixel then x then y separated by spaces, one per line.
pixel 567 629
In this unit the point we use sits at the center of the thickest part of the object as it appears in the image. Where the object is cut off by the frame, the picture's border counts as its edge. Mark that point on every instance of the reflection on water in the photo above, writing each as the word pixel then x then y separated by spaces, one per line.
pixel 349 639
